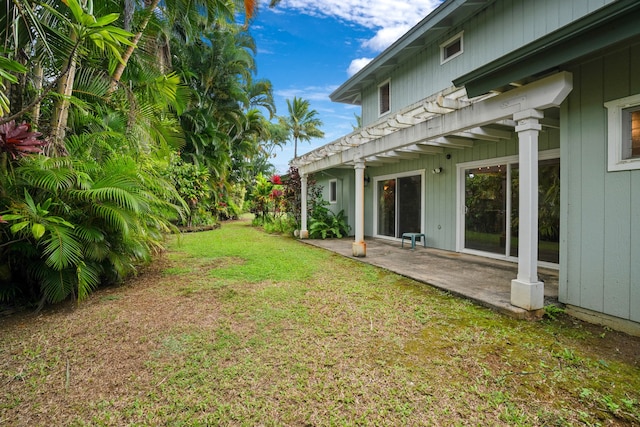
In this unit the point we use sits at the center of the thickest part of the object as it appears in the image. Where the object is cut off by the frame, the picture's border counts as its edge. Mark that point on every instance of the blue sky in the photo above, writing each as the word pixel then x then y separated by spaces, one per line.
pixel 309 48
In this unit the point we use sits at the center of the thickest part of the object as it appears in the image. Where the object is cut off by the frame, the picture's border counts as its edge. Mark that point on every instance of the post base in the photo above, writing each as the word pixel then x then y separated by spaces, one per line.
pixel 304 234
pixel 529 296
pixel 359 249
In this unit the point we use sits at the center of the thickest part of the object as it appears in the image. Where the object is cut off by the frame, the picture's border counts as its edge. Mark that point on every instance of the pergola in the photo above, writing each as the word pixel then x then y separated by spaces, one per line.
pixel 450 119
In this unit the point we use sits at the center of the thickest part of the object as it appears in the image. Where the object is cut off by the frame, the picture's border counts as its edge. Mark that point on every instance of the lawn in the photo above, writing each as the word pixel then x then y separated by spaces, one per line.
pixel 238 327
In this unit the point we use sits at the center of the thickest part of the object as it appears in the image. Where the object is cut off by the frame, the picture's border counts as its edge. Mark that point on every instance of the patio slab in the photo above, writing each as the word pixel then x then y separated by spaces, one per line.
pixel 483 280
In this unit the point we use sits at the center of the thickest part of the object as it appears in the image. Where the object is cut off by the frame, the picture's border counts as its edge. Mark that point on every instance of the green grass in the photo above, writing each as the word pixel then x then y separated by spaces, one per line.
pixel 238 327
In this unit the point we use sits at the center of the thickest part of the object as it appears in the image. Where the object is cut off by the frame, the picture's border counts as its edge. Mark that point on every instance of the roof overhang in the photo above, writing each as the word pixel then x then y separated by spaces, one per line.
pixel 449 14
pixel 611 24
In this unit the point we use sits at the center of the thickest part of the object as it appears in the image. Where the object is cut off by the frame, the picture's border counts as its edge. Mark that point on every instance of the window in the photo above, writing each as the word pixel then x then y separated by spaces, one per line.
pixel 631 127
pixel 623 142
pixel 384 97
pixel 451 48
pixel 333 191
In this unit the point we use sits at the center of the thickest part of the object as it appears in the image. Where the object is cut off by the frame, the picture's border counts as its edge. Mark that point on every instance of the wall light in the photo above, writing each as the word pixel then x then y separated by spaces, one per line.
pixel 437 170
pixel 367 180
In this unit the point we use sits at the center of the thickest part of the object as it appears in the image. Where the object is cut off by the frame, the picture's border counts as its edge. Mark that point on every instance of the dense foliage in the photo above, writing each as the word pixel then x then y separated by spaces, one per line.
pixel 277 207
pixel 120 120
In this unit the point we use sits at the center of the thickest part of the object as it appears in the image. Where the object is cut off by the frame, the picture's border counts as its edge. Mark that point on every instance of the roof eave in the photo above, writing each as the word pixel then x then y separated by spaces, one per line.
pixel 606 26
pixel 438 20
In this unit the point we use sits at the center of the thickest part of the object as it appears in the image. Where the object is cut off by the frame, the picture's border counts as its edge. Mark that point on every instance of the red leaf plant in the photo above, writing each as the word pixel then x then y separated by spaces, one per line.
pixel 276 194
pixel 275 180
pixel 18 140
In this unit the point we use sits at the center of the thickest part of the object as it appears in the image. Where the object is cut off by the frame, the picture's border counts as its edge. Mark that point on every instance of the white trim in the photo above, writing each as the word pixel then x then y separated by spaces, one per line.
pixel 615 161
pixel 376 179
pixel 383 113
pixel 448 43
pixel 460 217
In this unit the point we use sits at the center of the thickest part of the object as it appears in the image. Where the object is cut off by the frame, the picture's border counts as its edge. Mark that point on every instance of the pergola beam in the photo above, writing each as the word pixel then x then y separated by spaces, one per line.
pixel 542 94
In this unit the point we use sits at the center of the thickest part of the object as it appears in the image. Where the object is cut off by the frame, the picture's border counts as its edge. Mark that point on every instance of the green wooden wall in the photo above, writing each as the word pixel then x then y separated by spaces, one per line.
pixel 600 226
pixel 503 26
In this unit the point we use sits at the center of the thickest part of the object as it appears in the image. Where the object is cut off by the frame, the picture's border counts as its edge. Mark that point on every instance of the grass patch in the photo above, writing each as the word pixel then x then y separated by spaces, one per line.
pixel 238 327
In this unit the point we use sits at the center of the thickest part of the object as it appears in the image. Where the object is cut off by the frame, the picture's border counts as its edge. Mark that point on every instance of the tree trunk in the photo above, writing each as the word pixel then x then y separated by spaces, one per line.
pixel 38 78
pixel 117 74
pixel 60 115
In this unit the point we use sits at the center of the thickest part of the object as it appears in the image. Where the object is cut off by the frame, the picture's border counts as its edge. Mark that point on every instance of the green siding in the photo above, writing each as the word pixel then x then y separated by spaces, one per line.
pixel 634 253
pixel 599 269
pixel 504 25
pixel 344 185
pixel 593 169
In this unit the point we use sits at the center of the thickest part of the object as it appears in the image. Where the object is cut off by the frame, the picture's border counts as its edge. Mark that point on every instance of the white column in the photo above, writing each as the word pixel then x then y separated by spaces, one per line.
pixel 526 290
pixel 304 232
pixel 359 247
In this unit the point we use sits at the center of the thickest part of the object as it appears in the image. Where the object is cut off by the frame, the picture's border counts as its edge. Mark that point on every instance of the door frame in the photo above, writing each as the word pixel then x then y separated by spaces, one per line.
pixel 376 179
pixel 460 201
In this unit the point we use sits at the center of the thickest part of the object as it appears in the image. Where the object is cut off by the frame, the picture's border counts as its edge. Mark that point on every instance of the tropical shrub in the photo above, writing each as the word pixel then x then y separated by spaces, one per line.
pixel 114 107
pixel 18 140
pixel 231 206
pixel 192 183
pixel 283 224
pixel 77 224
pixel 324 223
pixel 267 198
pixel 292 190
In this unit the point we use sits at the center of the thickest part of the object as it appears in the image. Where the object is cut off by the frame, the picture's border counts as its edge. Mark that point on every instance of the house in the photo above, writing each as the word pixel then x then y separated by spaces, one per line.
pixel 508 129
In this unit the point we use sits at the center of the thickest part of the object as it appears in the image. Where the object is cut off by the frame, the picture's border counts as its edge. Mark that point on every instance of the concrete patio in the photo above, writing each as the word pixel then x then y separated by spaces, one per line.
pixel 483 280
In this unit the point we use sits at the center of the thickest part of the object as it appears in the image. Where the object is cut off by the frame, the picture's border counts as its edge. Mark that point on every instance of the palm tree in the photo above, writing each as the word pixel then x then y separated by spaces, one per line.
pixel 188 11
pixel 302 123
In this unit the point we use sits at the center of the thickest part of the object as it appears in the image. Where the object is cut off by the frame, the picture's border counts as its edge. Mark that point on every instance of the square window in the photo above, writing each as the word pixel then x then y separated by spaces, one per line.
pixel 451 48
pixel 623 140
pixel 384 97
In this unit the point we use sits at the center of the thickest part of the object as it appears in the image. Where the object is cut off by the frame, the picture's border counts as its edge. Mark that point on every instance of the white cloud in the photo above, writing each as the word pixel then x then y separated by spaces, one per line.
pixel 357 64
pixel 385 37
pixel 311 93
pixel 390 18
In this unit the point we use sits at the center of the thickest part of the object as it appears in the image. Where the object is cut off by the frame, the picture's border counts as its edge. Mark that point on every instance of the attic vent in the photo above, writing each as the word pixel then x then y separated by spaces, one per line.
pixel 451 48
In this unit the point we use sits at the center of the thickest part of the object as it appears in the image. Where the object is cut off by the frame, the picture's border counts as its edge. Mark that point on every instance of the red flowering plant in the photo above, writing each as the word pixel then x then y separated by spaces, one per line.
pixel 18 140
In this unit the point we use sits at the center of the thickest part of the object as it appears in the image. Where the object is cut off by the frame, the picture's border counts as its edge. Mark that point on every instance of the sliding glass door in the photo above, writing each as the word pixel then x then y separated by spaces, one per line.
pixel 485 209
pixel 491 209
pixel 399 207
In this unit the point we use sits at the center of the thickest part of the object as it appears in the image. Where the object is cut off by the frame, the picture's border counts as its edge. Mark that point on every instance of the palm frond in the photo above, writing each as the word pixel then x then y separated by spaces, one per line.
pixel 49 173
pixel 115 218
pixel 55 285
pixel 61 248
pixel 88 275
pixel 118 190
pixel 92 83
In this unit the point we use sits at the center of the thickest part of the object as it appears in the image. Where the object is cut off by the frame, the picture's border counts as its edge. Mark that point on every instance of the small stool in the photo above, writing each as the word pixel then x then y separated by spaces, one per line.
pixel 413 237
